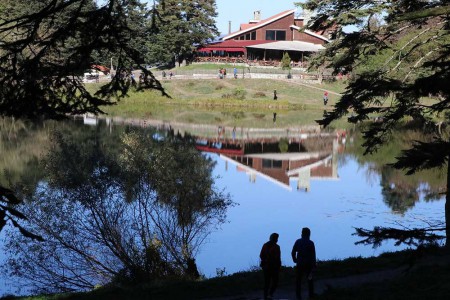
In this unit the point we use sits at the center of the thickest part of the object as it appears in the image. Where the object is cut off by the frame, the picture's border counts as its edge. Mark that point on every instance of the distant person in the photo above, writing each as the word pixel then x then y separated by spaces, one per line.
pixel 164 74
pixel 170 75
pixel 270 263
pixel 304 255
pixel 235 71
pixel 274 117
pixel 325 98
pixel 275 97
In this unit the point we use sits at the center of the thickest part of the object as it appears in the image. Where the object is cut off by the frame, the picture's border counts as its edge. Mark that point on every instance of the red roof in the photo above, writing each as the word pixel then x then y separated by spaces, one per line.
pixel 100 68
pixel 231 45
pixel 221 151
pixel 247 27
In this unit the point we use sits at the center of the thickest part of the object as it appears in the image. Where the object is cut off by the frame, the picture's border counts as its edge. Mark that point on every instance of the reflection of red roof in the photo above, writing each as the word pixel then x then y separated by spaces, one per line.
pixel 221 151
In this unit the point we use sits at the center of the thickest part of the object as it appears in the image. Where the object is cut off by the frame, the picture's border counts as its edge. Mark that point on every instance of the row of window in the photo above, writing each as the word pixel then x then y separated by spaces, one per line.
pixel 249 36
pixel 271 35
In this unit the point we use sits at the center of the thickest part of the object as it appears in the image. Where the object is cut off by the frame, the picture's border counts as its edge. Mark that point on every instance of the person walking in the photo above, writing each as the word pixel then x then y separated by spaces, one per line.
pixel 325 98
pixel 304 255
pixel 271 263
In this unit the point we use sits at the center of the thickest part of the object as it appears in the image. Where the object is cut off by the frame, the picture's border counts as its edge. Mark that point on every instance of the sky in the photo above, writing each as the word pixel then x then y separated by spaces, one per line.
pixel 241 11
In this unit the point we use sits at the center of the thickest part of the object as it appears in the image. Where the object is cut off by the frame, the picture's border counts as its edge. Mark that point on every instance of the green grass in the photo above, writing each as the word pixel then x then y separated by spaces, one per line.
pixel 228 102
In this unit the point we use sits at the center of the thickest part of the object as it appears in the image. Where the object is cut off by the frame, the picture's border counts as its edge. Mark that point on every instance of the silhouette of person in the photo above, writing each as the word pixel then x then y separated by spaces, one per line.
pixel 271 263
pixel 304 255
pixel 274 117
pixel 275 97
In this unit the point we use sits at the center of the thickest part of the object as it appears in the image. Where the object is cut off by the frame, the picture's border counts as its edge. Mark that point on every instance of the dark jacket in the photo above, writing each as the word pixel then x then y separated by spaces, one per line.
pixel 270 255
pixel 304 252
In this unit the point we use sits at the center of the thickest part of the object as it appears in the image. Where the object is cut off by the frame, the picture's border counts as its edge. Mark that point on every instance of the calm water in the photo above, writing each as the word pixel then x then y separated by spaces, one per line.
pixel 331 209
pixel 326 190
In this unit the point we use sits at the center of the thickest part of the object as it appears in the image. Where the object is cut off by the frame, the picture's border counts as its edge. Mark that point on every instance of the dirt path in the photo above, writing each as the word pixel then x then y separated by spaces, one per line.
pixel 311 86
pixel 321 285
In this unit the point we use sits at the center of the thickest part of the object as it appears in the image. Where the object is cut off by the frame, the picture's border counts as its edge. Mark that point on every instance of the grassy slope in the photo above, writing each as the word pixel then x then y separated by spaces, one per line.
pixel 214 101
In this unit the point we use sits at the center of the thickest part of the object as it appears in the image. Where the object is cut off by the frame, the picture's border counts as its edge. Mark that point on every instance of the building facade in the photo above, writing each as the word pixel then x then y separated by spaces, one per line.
pixel 268 39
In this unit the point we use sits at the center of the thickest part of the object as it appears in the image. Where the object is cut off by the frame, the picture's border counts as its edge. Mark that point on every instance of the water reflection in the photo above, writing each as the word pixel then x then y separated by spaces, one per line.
pixel 133 210
pixel 259 168
pixel 297 159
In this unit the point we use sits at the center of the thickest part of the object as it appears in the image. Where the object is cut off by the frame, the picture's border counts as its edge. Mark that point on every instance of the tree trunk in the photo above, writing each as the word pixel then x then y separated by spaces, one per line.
pixel 447 207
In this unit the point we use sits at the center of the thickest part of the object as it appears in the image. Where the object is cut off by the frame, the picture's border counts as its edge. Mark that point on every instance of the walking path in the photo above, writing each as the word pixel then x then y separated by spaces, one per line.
pixel 321 285
pixel 311 86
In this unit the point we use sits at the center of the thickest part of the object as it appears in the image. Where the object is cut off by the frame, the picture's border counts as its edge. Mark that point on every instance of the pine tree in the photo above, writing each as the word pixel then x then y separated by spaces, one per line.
pixel 394 64
pixel 180 25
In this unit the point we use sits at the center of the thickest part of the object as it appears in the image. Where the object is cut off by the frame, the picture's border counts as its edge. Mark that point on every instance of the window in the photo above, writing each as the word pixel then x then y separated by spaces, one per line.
pixel 247 36
pixel 270 35
pixel 275 35
pixel 271 164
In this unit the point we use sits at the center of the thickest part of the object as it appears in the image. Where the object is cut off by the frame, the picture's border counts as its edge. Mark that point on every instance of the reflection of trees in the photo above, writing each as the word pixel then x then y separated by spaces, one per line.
pixel 401 192
pixel 137 211
pixel 398 197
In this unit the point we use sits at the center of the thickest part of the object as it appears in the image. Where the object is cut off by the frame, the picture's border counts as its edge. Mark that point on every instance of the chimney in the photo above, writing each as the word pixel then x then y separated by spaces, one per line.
pixel 256 17
pixel 229 27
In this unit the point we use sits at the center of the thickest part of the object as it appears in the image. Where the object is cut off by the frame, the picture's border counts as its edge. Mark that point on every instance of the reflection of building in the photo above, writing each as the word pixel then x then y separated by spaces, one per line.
pixel 280 162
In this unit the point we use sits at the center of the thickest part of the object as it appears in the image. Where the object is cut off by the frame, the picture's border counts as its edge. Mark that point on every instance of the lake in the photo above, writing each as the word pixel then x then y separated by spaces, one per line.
pixel 283 180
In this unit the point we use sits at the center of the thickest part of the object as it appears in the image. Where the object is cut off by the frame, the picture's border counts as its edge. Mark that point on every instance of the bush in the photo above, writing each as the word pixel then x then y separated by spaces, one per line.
pixel 238 93
pixel 286 61
pixel 259 95
pixel 283 145
pixel 219 87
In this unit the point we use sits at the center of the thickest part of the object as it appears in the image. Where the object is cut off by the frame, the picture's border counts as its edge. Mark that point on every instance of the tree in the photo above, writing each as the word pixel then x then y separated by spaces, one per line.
pixel 400 70
pixel 180 25
pixel 44 48
pixel 106 215
pixel 286 61
pixel 44 52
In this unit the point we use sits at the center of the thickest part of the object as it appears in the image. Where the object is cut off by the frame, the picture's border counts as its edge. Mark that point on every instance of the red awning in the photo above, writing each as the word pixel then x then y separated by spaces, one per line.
pixel 209 49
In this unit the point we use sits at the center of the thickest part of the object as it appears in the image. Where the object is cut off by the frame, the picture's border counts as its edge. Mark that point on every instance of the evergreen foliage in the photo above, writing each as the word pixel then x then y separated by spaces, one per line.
pixel 286 61
pixel 394 64
pixel 178 26
pixel 47 45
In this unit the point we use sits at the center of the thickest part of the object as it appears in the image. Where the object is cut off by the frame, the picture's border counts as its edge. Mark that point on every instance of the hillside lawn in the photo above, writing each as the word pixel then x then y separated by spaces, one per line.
pixel 229 102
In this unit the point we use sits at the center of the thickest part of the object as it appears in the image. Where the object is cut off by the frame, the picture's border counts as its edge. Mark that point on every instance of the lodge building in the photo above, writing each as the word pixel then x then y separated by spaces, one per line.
pixel 265 41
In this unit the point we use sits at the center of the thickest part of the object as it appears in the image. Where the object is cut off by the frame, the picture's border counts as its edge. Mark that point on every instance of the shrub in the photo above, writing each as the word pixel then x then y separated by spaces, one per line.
pixel 286 61
pixel 219 87
pixel 239 93
pixel 259 95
